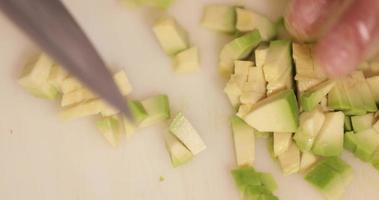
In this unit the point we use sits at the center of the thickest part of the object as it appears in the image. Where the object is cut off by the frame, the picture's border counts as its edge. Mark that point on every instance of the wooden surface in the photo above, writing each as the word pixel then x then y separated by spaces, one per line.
pixel 43 158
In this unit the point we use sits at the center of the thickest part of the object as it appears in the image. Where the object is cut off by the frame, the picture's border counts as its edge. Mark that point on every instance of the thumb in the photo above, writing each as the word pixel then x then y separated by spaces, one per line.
pixel 346 44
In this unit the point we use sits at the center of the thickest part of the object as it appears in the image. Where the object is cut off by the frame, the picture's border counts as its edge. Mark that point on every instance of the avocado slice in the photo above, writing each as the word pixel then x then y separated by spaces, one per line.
pixel 290 160
pixel 276 113
pixel 248 20
pixel 329 141
pixel 282 142
pixel 362 122
pixel 220 18
pixel 312 97
pixel 261 54
pixel 366 142
pixel 111 129
pixel 170 35
pixel 179 154
pixel 337 97
pixel 278 66
pixel 244 142
pixel 34 78
pixel 310 126
pixel 237 49
pixel 187 134
pixel 330 180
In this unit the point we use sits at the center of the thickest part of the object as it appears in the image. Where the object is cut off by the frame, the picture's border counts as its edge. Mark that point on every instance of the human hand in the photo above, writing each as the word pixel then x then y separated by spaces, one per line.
pixel 349 31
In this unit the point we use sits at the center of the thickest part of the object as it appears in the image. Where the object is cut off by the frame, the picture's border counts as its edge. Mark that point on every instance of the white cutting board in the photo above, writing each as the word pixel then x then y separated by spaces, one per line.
pixel 43 158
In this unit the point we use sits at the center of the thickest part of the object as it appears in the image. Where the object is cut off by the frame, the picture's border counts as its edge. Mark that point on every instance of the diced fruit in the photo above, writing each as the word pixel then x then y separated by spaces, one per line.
pixel 88 108
pixel 255 88
pixel 362 122
pixel 376 126
pixel 278 66
pixel 170 35
pixel 76 96
pixel 237 49
pixel 307 69
pixel 107 110
pixel 366 143
pixel 233 90
pixel 337 97
pixel 56 77
pixel 364 91
pixel 282 142
pixel 110 127
pixel 254 185
pixel 260 55
pixel 373 83
pixel 348 141
pixel 276 113
pixel 70 84
pixel 308 159
pixel 263 135
pixel 34 78
pixel 186 133
pixel 310 125
pixel 179 154
pixel 129 127
pixel 187 61
pixel 290 160
pixel 157 109
pixel 330 177
pixel 347 124
pixel 311 98
pixel 248 21
pixel 242 68
pixel 375 159
pixel 244 142
pixel 122 82
pixel 329 141
pixel 219 18
pixel 138 111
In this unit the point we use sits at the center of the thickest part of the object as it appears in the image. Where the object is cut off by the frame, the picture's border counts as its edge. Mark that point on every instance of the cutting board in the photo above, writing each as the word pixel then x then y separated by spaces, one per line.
pixel 44 158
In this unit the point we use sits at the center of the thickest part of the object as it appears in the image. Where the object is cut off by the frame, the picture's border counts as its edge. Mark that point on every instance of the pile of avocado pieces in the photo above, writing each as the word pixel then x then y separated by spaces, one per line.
pixel 309 118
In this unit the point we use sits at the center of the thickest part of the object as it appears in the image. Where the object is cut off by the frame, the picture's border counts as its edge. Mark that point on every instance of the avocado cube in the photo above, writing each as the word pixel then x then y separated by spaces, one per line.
pixel 248 20
pixel 179 154
pixel 362 122
pixel 244 142
pixel 111 129
pixel 290 160
pixel 282 142
pixel 220 18
pixel 311 98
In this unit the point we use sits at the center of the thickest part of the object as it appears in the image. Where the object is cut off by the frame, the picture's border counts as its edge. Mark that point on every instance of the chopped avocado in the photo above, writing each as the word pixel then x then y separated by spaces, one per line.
pixel 170 35
pixel 376 126
pixel 329 141
pixel 337 97
pixel 137 110
pixel 373 83
pixel 157 109
pixel 282 142
pixel 290 160
pixel 362 122
pixel 233 90
pixel 278 66
pixel 244 142
pixel 76 96
pixel 242 67
pixel 70 84
pixel 248 21
pixel 110 127
pixel 252 92
pixel 186 133
pixel 187 61
pixel 254 185
pixel 243 110
pixel 88 108
pixel 311 98
pixel 122 82
pixel 260 55
pixel 347 124
pixel 129 127
pixel 310 125
pixel 263 135
pixel 108 110
pixel 179 154
pixel 282 32
pixel 349 141
pixel 328 179
pixel 308 159
pixel 364 91
pixel 237 49
pixel 56 77
pixel 276 113
pixel 219 18
pixel 366 142
pixel 34 78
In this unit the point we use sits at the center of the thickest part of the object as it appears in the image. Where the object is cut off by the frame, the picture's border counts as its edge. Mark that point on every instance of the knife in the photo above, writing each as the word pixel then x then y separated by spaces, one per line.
pixel 50 25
